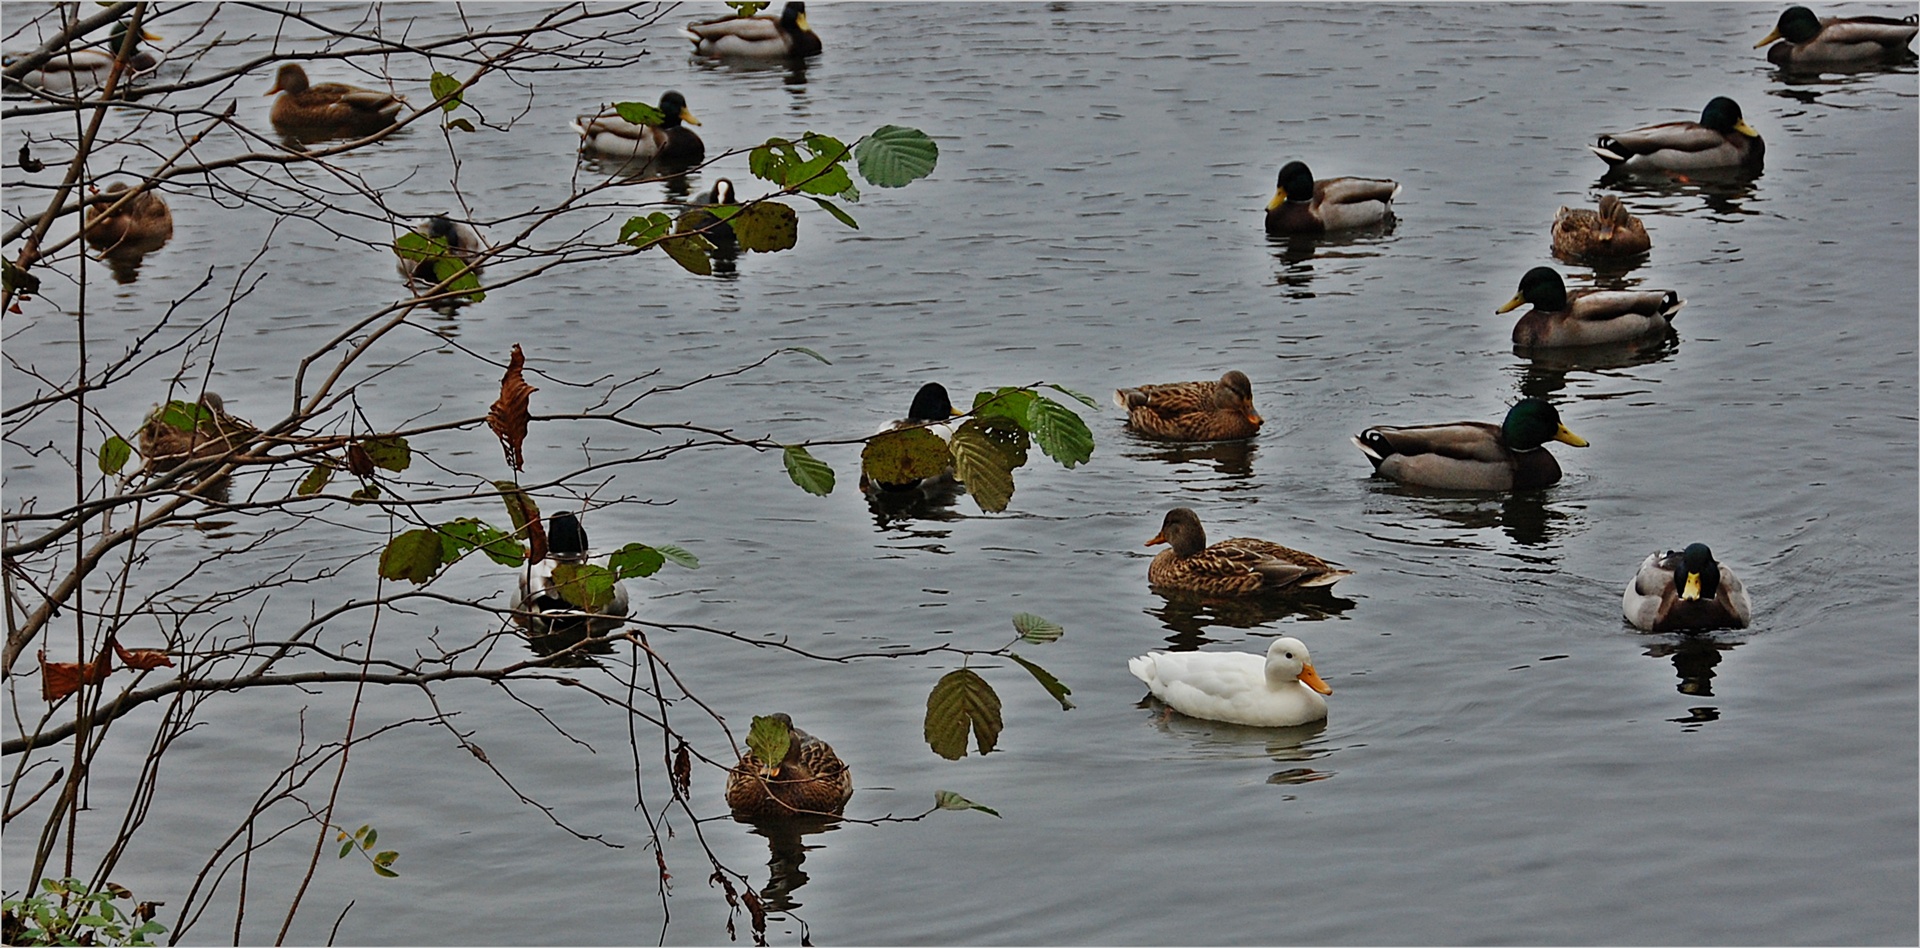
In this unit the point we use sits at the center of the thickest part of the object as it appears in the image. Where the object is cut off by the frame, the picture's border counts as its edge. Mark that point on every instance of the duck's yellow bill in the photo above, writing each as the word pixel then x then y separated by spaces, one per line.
pixel 801 22
pixel 1743 128
pixel 686 115
pixel 1770 38
pixel 1511 305
pixel 1311 679
pixel 1690 590
pixel 1279 198
pixel 1567 437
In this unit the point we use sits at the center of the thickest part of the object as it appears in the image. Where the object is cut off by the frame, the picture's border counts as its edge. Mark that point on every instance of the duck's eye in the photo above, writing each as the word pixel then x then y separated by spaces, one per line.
pixel 1289 654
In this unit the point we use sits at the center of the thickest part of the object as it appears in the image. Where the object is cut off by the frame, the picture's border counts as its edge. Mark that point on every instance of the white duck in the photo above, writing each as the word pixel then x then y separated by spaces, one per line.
pixel 540 607
pixel 1280 690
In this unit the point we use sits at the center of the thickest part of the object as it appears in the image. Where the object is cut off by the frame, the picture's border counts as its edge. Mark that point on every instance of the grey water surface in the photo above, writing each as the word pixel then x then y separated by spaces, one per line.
pixel 1505 761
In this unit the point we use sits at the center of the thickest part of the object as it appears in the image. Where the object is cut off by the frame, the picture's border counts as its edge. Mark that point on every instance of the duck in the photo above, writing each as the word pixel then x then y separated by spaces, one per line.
pixel 1608 232
pixel 1473 455
pixel 180 431
pixel 1685 591
pixel 1302 205
pixel 1279 689
pixel 1586 317
pixel 719 233
pixel 141 225
pixel 671 141
pixel 76 71
pixel 810 781
pixel 1721 139
pixel 1808 39
pixel 1241 566
pixel 756 37
pixel 932 408
pixel 541 608
pixel 333 108
pixel 1193 411
pixel 463 243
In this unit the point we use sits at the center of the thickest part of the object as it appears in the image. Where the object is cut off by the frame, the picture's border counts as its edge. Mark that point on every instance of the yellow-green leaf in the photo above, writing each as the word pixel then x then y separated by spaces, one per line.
pixel 389 452
pixel 1037 630
pixel 767 227
pixel 693 252
pixel 810 473
pixel 949 800
pixel 584 585
pixel 520 505
pixel 980 464
pixel 635 559
pixel 769 739
pixel 413 556
pixel 904 455
pixel 315 481
pixel 959 701
pixel 1053 685
pixel 115 452
pixel 442 86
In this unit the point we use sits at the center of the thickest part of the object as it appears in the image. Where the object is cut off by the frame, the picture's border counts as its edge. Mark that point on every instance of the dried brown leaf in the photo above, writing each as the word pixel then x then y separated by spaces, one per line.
pixel 509 414
pixel 60 679
pixel 142 659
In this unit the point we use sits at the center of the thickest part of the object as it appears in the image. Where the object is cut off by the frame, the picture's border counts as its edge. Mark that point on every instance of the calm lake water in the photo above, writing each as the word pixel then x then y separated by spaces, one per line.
pixel 1505 760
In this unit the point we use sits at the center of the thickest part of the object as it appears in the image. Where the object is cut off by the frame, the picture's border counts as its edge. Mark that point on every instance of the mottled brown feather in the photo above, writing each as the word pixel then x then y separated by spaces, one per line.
pixel 811 781
pixel 1220 410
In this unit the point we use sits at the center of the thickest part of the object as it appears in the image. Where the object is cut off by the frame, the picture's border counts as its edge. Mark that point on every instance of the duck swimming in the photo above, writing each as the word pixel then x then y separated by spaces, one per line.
pixel 670 142
pixel 756 37
pixel 1608 232
pixel 1806 39
pixel 1279 689
pixel 540 607
pixel 1302 205
pixel 1586 317
pixel 78 71
pixel 933 409
pixel 141 225
pixel 463 243
pixel 1240 566
pixel 333 109
pixel 1473 455
pixel 1721 139
pixel 1193 411
pixel 811 780
pixel 1685 591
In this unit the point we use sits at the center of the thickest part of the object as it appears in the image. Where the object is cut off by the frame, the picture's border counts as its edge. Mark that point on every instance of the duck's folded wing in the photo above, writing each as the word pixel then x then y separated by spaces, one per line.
pixel 1885 31
pixel 749 28
pixel 1354 190
pixel 1603 305
pixel 1462 440
pixel 1672 136
pixel 612 123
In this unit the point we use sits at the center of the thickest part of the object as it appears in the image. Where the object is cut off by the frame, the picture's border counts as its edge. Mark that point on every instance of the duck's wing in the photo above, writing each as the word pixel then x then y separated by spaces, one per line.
pixel 752 29
pixel 1603 305
pixel 1460 440
pixel 1649 590
pixel 1181 678
pixel 1284 566
pixel 1168 399
pixel 1684 137
pixel 612 124
pixel 1879 30
pixel 1732 597
pixel 1354 190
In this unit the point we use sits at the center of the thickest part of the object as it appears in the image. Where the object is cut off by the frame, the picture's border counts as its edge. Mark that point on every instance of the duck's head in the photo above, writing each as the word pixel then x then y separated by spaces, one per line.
pixel 1182 531
pixel 790 767
pixel 290 78
pixel 1697 576
pixel 438 226
pixel 1723 115
pixel 1532 422
pixel 1797 25
pixel 722 192
pixel 1236 394
pixel 1542 287
pixel 121 46
pixel 1612 214
pixel 566 538
pixel 930 403
pixel 793 16
pixel 1295 183
pixel 673 105
pixel 1288 662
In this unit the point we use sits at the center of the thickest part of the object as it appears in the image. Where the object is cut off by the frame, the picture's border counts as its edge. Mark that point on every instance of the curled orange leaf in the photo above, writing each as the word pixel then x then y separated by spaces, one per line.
pixel 60 679
pixel 508 416
pixel 142 659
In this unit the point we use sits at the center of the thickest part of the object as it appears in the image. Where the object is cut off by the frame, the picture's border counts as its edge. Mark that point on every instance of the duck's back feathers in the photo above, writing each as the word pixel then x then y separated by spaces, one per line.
pixel 1219 410
pixel 1721 139
pixel 1241 566
pixel 329 107
pixel 1608 232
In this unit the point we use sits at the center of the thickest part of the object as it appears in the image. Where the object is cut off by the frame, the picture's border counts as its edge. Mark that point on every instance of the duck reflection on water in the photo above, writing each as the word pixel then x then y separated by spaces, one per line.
pixel 1338 252
pixel 932 499
pixel 1232 459
pixel 1722 190
pixel 786 850
pixel 1188 615
pixel 1694 658
pixel 1525 516
pixel 1295 749
pixel 1543 372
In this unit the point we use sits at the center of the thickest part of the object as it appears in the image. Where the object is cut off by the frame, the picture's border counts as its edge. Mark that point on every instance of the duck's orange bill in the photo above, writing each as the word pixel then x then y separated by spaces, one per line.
pixel 1160 537
pixel 1311 679
pixel 1253 418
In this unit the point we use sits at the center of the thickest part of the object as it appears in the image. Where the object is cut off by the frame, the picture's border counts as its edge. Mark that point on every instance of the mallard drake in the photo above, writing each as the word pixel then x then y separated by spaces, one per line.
pixel 1193 411
pixel 1685 592
pixel 719 233
pixel 174 433
pixel 141 225
pixel 540 607
pixel 756 37
pixel 1241 566
pixel 932 408
pixel 1302 205
pixel 810 781
pixel 670 141
pixel 1587 317
pixel 1473 455
pixel 1808 39
pixel 463 242
pixel 82 70
pixel 1608 232
pixel 1280 689
pixel 1721 139
pixel 333 108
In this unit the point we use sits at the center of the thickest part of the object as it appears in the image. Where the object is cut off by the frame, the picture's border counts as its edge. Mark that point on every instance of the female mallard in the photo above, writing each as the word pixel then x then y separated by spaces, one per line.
pixel 756 37
pixel 1237 567
pixel 931 409
pixel 541 607
pixel 1685 592
pixel 140 225
pixel 332 108
pixel 180 431
pixel 1721 139
pixel 1473 455
pixel 810 781
pixel 1609 232
pixel 1808 39
pixel 82 70
pixel 1193 411
pixel 1278 690
pixel 463 243
pixel 1587 317
pixel 719 233
pixel 1302 205
pixel 670 141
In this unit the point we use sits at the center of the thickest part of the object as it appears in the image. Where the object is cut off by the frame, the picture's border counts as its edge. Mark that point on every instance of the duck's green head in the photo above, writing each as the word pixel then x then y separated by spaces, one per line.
pixel 1723 115
pixel 1698 576
pixel 931 403
pixel 673 105
pixel 566 539
pixel 794 16
pixel 1797 25
pixel 1543 288
pixel 1295 184
pixel 119 46
pixel 1532 422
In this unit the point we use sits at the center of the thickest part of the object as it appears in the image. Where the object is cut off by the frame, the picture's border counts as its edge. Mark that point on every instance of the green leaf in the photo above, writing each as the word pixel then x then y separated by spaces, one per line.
pixel 639 113
pixel 1086 400
pixel 838 214
pixel 413 556
pixel 443 85
pixel 389 452
pixel 369 492
pixel 520 506
pixel 416 247
pixel 769 162
pixel 767 227
pixel 1009 403
pixel 692 252
pixel 584 585
pixel 820 174
pixel 1037 630
pixel 962 699
pixel 1045 678
pixel 769 740
pixel 894 156
pixel 747 7
pixel 385 872
pixel 467 282
pixel 640 231
pixel 810 473
pixel 635 559
pixel 459 536
pixel 949 800
pixel 461 124
pixel 372 836
pixel 904 455
pixel 803 350
pixel 315 481
pixel 185 416
pixel 1060 432
pixel 678 556
pixel 385 857
pixel 980 464
pixel 346 848
pixel 115 452
pixel 15 280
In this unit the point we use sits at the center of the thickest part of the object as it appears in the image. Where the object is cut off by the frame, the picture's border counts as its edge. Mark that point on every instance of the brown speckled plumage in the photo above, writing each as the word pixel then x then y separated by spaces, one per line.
pixel 1240 566
pixel 166 447
pixel 1193 411
pixel 334 108
pixel 1608 232
pixel 812 780
pixel 141 225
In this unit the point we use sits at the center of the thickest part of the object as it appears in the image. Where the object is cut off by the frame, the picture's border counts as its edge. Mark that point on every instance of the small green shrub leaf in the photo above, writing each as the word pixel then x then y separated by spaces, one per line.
pixel 1045 678
pixel 693 252
pixel 115 452
pixel 894 156
pixel 413 556
pixel 584 585
pixel 390 452
pixel 949 800
pixel 769 739
pixel 767 227
pixel 803 350
pixel 315 481
pixel 678 556
pixel 442 86
pixel 639 113
pixel 904 455
pixel 810 473
pixel 417 247
pixel 980 464
pixel 1059 432
pixel 838 214
pixel 1009 403
pixel 961 700
pixel 345 848
pixel 461 124
pixel 520 506
pixel 635 559
pixel 642 230
pixel 1036 630
pixel 458 537
pixel 384 872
